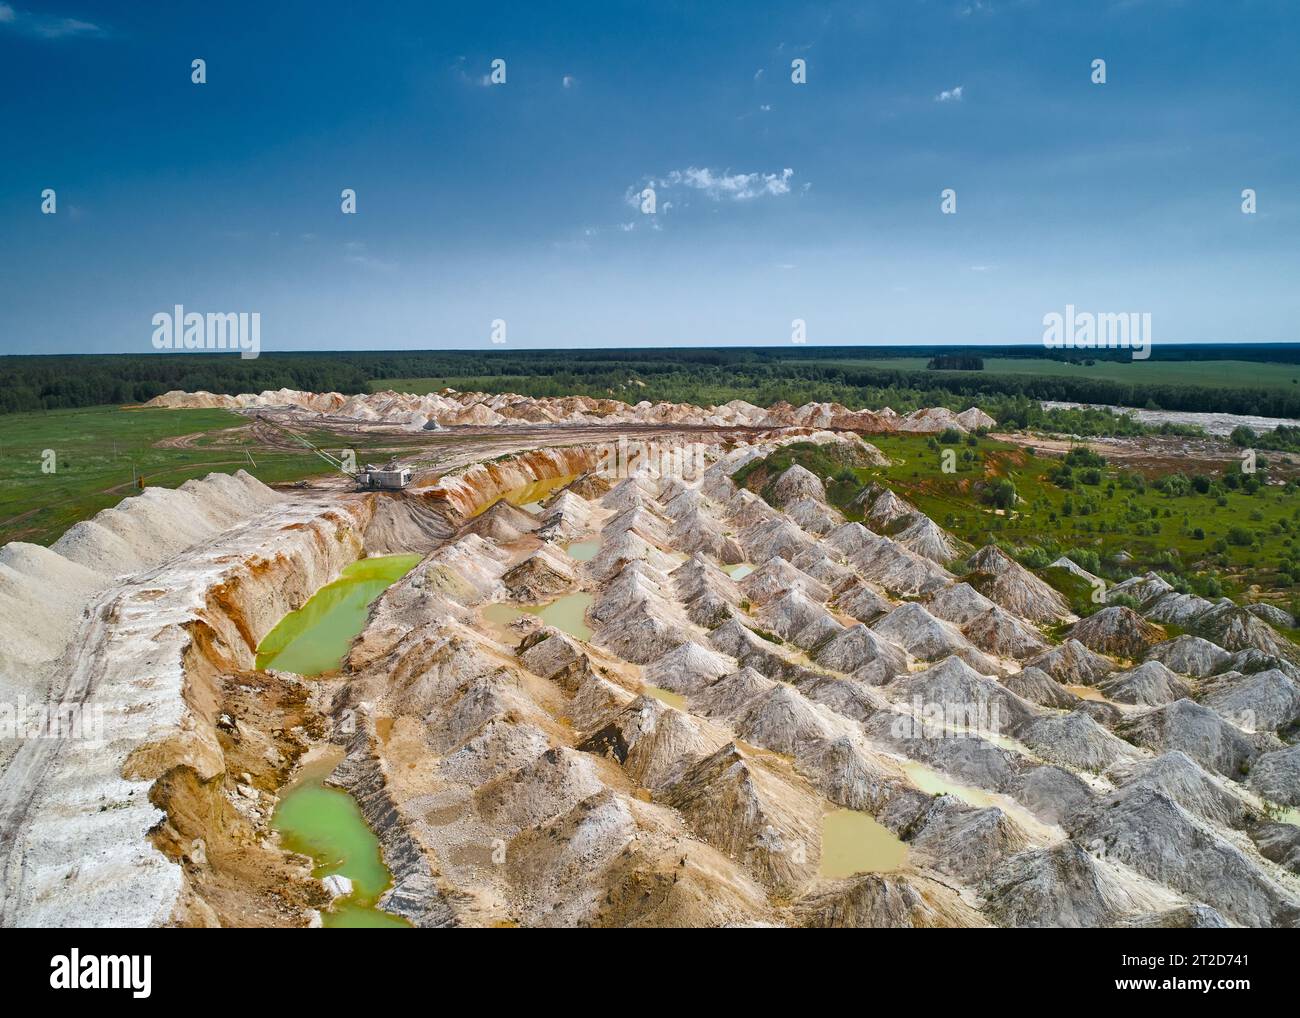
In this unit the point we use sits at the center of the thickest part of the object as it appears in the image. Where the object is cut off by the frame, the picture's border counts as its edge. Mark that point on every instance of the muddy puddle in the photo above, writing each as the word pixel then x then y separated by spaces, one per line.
pixel 1087 693
pixel 566 614
pixel 531 496
pixel 326 824
pixel 665 696
pixel 582 551
pixel 933 782
pixel 314 639
pixel 855 842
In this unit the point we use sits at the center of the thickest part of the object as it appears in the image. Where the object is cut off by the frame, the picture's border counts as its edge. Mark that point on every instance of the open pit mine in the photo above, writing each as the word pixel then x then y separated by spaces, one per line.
pixel 543 686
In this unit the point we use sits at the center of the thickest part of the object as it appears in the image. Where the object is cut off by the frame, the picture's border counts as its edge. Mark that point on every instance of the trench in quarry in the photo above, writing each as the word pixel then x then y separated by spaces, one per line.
pixel 324 822
pixel 312 818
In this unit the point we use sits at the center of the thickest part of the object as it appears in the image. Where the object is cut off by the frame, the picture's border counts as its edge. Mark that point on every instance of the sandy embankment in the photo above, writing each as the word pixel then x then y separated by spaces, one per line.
pixel 179 587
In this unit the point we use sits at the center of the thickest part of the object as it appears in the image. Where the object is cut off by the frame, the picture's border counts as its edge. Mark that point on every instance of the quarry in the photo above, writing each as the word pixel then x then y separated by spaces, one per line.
pixel 553 683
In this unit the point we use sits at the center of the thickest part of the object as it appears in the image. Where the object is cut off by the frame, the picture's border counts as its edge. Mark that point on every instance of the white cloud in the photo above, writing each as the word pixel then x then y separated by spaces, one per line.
pixel 568 81
pixel 6 13
pixel 950 95
pixel 729 186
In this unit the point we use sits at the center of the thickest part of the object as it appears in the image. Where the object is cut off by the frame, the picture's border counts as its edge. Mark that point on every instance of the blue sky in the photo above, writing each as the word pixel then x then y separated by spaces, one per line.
pixel 776 201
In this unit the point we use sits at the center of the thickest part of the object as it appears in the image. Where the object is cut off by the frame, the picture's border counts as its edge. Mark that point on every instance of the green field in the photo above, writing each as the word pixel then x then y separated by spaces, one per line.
pixel 1215 374
pixel 1248 540
pixel 96 449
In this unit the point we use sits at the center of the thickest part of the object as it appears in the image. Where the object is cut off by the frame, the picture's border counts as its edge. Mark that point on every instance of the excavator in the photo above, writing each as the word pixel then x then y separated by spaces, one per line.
pixel 393 476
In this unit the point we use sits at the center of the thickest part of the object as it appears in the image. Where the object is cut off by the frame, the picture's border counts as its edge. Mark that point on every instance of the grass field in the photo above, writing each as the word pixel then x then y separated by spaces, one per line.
pixel 95 450
pixel 1158 531
pixel 1214 374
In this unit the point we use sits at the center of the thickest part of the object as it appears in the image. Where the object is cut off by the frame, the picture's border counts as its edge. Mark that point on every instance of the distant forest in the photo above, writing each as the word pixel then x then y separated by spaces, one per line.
pixel 700 375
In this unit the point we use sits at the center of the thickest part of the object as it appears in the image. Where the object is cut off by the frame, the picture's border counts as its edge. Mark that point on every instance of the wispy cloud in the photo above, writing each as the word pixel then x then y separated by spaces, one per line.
pixel 568 81
pixel 950 95
pixel 721 185
pixel 356 253
pixel 45 26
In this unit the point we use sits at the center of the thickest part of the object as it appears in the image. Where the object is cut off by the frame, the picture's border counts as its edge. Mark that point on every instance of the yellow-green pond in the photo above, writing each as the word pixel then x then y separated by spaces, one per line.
pixel 326 824
pixel 314 639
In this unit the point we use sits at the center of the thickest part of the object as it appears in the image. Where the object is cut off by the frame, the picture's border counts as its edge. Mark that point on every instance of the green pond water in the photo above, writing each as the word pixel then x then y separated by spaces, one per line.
pixel 854 842
pixel 582 551
pixel 739 570
pixel 326 824
pixel 564 613
pixel 315 638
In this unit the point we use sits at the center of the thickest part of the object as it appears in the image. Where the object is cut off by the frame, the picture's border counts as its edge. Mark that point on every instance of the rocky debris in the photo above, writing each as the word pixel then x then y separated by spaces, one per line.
pixel 782 719
pixel 795 484
pixel 698 532
pixel 1050 793
pixel 654 743
pixel 1073 740
pixel 1143 589
pixel 1188 917
pixel 1190 655
pixel 959 604
pixel 1036 686
pixel 1073 664
pixel 1261 702
pixel 1236 628
pixel 1176 608
pixel 1004 580
pixel 336 885
pixel 501 522
pixel 1178 776
pixel 1198 731
pixel 568 517
pixel 835 574
pixel 1072 567
pixel 1061 886
pixel 1275 776
pixel 777 577
pixel 814 517
pixel 923 636
pixel 848 773
pixel 612 861
pixel 688 668
pixel 926 538
pixel 616 552
pixel 958 689
pixel 541 576
pixel 799 619
pixel 885 508
pixel 862 602
pixel 864 654
pixel 731 694
pixel 746 810
pixel 886 901
pixel 1118 631
pixel 553 782
pixel 961 841
pixel 1148 831
pixel 775 537
pixel 745 509
pixel 1150 684
pixel 1279 843
pixel 1271 614
pixel 999 632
